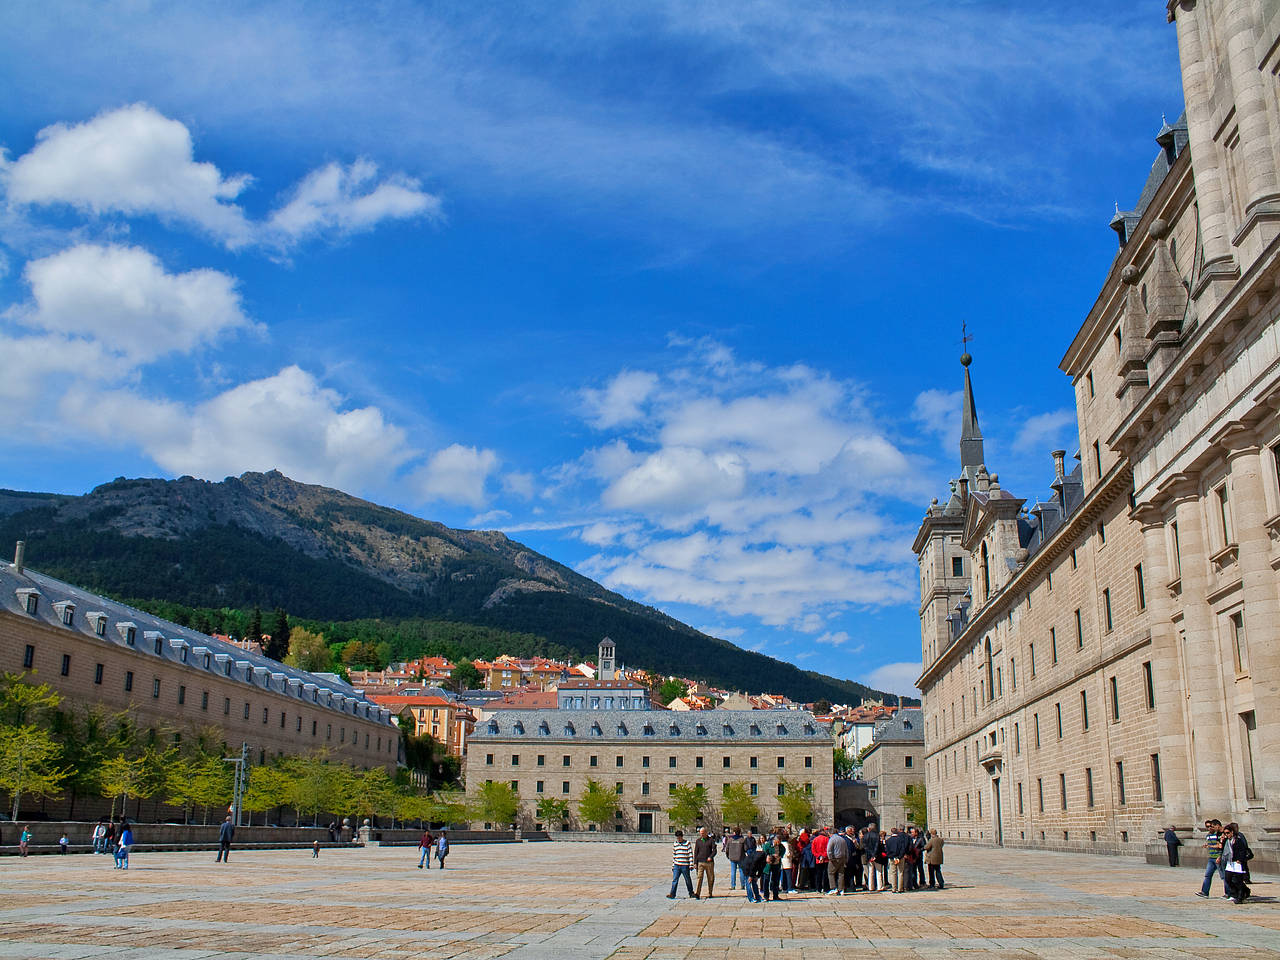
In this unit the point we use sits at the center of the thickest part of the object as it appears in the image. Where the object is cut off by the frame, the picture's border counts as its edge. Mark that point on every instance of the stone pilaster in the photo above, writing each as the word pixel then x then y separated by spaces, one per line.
pixel 1202 656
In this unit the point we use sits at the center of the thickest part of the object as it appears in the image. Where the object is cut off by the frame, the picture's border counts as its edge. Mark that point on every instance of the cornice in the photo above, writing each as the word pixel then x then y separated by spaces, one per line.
pixel 1114 485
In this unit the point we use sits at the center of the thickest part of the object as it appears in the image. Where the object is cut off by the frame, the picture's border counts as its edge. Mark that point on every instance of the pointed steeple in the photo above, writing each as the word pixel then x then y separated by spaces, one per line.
pixel 971 453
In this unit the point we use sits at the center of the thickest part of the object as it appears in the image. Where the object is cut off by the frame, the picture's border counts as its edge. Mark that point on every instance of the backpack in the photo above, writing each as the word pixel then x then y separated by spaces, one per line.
pixel 733 849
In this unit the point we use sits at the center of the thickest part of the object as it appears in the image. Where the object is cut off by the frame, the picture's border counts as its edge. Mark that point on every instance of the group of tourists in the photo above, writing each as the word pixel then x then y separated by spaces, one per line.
pixel 828 861
pixel 429 845
pixel 1229 855
pixel 113 838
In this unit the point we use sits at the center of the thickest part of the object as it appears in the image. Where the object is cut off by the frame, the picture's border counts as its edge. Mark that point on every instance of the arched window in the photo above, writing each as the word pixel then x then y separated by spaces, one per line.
pixel 991 688
pixel 986 574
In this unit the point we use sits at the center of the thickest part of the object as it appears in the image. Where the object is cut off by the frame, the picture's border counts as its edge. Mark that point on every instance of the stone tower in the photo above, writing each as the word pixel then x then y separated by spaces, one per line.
pixel 606 666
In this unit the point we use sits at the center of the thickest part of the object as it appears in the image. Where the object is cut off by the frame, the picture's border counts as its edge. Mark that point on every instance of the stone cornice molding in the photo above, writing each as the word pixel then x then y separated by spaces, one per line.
pixel 1113 486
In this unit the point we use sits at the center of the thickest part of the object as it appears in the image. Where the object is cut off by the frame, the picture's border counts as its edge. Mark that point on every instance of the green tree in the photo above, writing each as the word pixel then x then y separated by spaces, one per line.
pixel 465 676
pixel 821 708
pixel 796 804
pixel 254 631
pixel 122 777
pixel 28 763
pixel 498 803
pixel 24 703
pixel 689 807
pixel 360 654
pixel 669 690
pixel 278 645
pixel 372 792
pixel 598 804
pixel 269 787
pixel 212 783
pixel 553 810
pixel 915 804
pixel 842 764
pixel 84 741
pixel 737 806
pixel 308 651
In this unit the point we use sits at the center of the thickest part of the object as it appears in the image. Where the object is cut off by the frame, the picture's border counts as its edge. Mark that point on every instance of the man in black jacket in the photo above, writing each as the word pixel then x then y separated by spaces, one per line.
pixel 896 848
pixel 704 860
pixel 225 835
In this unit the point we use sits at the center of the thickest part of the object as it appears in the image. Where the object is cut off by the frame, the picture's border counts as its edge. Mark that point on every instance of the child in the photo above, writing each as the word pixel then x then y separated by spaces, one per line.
pixel 62 844
pixel 315 849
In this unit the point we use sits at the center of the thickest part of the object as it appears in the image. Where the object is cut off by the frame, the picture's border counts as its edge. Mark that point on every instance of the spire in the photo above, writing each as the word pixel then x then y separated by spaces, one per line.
pixel 971 454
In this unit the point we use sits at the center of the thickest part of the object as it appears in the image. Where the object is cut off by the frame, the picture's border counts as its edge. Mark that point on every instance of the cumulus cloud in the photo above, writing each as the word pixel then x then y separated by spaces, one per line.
pixel 457 474
pixel 621 401
pixel 678 478
pixel 837 638
pixel 899 678
pixel 288 422
pixel 124 299
pixel 938 413
pixel 1046 431
pixel 345 200
pixel 133 160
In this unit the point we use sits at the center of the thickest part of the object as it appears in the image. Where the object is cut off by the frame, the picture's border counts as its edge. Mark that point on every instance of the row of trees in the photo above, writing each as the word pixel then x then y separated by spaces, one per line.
pixel 690 805
pixel 49 752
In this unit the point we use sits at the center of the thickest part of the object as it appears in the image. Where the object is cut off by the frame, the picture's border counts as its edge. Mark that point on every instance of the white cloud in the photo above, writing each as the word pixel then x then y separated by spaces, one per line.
pixel 457 474
pixel 122 298
pixel 837 638
pixel 938 412
pixel 1046 431
pixel 345 200
pixel 621 401
pixel 518 484
pixel 287 422
pixel 133 160
pixel 899 678
pixel 678 478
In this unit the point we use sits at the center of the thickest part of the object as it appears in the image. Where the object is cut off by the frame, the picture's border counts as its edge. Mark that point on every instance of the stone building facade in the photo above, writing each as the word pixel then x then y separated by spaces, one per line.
pixel 178 682
pixel 893 767
pixel 643 755
pixel 1106 662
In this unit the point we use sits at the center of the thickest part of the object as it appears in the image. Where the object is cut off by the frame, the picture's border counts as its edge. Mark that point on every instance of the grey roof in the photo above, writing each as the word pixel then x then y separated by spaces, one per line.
pixel 1173 138
pixel 654 726
pixel 904 726
pixel 108 621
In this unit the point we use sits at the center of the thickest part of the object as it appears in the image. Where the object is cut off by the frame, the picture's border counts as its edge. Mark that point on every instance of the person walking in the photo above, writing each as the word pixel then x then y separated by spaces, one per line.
pixel 63 843
pixel 733 851
pixel 933 859
pixel 315 849
pixel 99 832
pixel 109 838
pixel 1213 849
pixel 125 845
pixel 704 855
pixel 24 839
pixel 895 849
pixel 837 863
pixel 425 844
pixel 225 835
pixel 681 862
pixel 442 849
pixel 1236 852
pixel 1172 842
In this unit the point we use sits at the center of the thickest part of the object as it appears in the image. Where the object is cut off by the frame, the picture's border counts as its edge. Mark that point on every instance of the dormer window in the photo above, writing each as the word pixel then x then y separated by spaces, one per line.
pixel 30 600
pixel 569 731
pixel 622 729
pixel 493 726
pixel 596 731
pixel 66 612
pixel 128 632
pixel 782 731
pixel 726 730
pixel 648 729
pixel 755 729
pixel 518 727
pixel 906 724
pixel 809 729
pixel 99 621
pixel 208 657
pixel 158 645
pixel 674 730
pixel 544 729
pixel 701 730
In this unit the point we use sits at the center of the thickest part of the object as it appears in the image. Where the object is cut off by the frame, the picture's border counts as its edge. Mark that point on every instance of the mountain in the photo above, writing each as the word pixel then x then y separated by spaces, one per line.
pixel 264 539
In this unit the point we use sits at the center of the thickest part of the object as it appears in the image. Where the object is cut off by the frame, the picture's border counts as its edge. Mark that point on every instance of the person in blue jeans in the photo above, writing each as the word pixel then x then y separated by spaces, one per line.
pixel 1212 847
pixel 753 868
pixel 126 844
pixel 681 865
pixel 734 849
pixel 425 845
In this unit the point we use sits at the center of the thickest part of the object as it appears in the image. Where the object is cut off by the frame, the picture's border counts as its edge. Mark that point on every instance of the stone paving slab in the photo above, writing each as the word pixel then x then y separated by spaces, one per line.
pixel 606 901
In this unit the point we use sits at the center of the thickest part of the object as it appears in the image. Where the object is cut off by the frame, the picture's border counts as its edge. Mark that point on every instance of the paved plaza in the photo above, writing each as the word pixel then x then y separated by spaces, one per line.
pixel 559 901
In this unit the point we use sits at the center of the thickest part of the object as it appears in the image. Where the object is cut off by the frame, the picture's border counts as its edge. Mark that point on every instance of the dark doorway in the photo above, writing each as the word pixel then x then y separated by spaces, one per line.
pixel 646 823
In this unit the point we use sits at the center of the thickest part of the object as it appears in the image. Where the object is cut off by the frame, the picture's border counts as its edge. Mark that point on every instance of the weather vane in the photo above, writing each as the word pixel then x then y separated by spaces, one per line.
pixel 965 337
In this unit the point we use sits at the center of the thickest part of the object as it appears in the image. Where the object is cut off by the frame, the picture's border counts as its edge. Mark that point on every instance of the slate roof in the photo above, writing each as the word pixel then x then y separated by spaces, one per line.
pixel 651 726
pixel 905 726
pixel 108 621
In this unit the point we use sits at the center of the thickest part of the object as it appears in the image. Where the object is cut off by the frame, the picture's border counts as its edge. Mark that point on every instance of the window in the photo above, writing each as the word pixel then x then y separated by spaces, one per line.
pixel 1088 785
pixel 1062 789
pixel 782 761
pixel 644 762
pixel 909 762
pixel 1239 647
pixel 565 761
pixel 1074 561
pixel 539 786
pixel 1084 710
pixel 644 789
pixel 808 762
pixel 1088 377
pixel 1019 798
pixel 182 698
pixel 617 788
pixel 1106 609
pixel 1177 550
pixel 1031 652
pixel 204 702
pixel 1080 627
pixel 68 615
pixel 671 789
pixel 782 789
pixel 1102 534
pixel 564 786
pixel 246 711
pixel 1057 709
pixel 515 759
pixel 1053 644
pixel 1120 781
pixel 1157 785
pixel 755 762
pixel 755 789
pixel 1140 590
pixel 66 664
pixel 1040 792
pixel 671 763
pixel 100 627
pixel 266 716
pixel 226 706
pixel 617 761
pixel 1035 719
pixel 33 603
pixel 697 762
pixel 1097 459
pixel 957 566
pixel 97 675
pixel 1224 515
pixel 986 574
pixel 542 759
pixel 594 762
pixel 1115 698
pixel 725 762
pixel 155 689
pixel 1249 753
pixel 128 680
pixel 1149 682
pixel 28 657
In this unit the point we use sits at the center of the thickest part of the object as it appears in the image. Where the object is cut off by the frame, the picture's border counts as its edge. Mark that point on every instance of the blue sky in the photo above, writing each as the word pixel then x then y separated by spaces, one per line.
pixel 671 292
